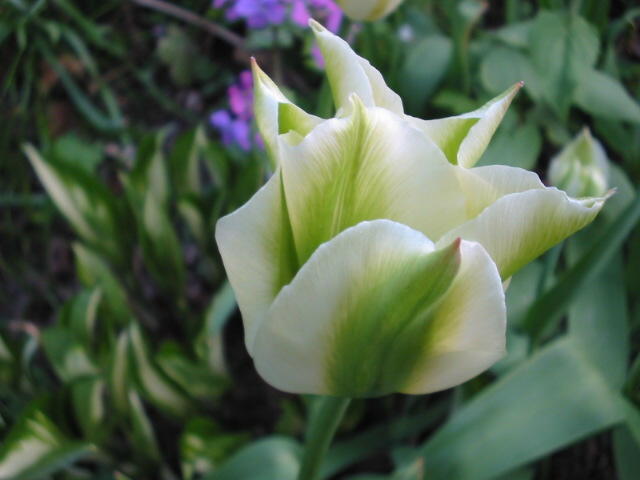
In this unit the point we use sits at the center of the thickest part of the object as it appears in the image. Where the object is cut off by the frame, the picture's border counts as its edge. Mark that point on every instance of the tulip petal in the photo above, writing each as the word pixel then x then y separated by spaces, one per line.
pixel 519 227
pixel 482 186
pixel 470 325
pixel 370 308
pixel 268 102
pixel 369 165
pixel 368 10
pixel 349 73
pixel 257 250
pixel 464 138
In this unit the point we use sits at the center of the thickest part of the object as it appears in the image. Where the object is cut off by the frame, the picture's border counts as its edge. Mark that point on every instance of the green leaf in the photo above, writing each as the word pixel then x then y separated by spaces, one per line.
pixel 87 204
pixel 83 315
pixel 144 438
pixel 514 145
pixel 603 96
pixel 149 174
pixel 208 344
pixel 347 452
pixel 515 34
pixel 627 454
pixel 548 308
pixel 551 401
pixel 68 356
pixel 563 47
pixel 598 319
pixel 267 459
pixel 161 247
pixel 35 447
pixel 156 387
pixel 89 404
pixel 70 148
pixel 93 271
pixel 119 373
pixel 503 67
pixel 198 379
pixel 424 68
pixel 184 160
pixel 204 445
pixel 190 208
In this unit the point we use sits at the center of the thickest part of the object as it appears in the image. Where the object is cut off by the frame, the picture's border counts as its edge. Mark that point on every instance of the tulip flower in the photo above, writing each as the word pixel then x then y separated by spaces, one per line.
pixel 581 168
pixel 368 9
pixel 373 259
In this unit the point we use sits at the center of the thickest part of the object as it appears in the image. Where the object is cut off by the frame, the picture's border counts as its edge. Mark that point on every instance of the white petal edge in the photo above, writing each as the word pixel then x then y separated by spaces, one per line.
pixel 519 227
pixel 249 240
pixel 349 73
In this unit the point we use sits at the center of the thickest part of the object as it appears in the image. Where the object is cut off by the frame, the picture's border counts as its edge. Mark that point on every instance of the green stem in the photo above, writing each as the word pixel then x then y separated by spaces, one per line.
pixel 327 415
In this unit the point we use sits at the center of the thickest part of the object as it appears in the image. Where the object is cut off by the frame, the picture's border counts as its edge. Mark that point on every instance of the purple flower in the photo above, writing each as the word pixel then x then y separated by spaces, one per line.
pixel 241 96
pixel 262 13
pixel 257 13
pixel 233 131
pixel 325 10
pixel 234 125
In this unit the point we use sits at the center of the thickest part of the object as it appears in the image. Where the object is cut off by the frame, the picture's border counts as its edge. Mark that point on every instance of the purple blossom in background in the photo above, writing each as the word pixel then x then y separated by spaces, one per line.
pixel 262 13
pixel 257 13
pixel 234 124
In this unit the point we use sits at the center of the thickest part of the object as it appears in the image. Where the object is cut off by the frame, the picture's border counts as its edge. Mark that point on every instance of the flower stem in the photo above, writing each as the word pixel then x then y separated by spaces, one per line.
pixel 326 417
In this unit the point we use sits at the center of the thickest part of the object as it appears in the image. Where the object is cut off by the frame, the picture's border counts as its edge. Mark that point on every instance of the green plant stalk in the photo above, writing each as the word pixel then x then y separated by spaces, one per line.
pixel 327 415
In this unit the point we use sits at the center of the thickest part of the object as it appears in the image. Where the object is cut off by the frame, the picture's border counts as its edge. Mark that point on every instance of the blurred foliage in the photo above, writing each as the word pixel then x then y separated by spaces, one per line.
pixel 117 356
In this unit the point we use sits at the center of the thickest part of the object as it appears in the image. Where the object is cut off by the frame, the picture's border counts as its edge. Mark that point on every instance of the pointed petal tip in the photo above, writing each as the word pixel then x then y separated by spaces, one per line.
pixel 316 26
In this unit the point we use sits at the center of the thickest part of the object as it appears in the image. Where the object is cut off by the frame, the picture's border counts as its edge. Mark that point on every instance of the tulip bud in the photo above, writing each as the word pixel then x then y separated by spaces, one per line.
pixel 581 169
pixel 368 10
pixel 372 260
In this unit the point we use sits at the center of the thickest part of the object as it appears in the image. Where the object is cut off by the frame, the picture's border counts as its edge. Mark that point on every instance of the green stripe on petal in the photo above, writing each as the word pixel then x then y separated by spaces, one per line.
pixel 292 118
pixel 369 309
pixel 519 227
pixel 349 73
pixel 384 327
pixel 469 326
pixel 464 138
pixel 367 166
pixel 258 253
pixel 267 104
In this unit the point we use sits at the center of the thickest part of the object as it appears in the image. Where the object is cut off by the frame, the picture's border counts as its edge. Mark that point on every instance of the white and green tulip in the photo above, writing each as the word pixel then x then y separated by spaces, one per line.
pixel 373 259
pixel 581 168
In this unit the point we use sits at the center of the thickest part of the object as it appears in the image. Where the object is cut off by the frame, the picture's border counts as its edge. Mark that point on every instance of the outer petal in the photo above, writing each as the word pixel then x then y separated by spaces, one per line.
pixel 370 308
pixel 464 138
pixel 482 186
pixel 368 9
pixel 349 73
pixel 470 325
pixel 268 102
pixel 519 227
pixel 369 165
pixel 257 251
